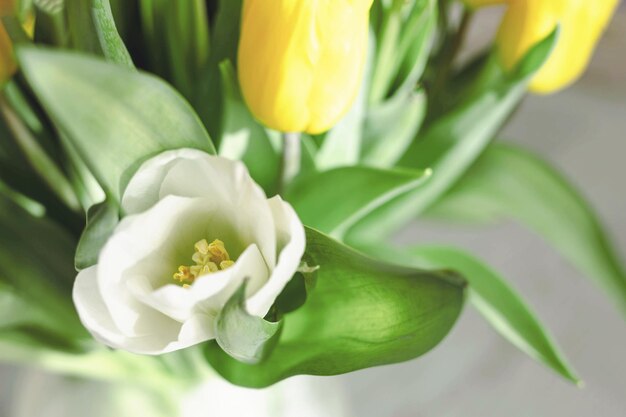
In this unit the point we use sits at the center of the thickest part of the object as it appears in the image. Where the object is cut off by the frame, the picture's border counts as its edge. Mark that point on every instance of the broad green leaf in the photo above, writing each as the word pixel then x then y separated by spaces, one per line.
pixel 247 338
pixel 390 127
pixel 359 313
pixel 508 182
pixel 333 201
pixel 453 142
pixel 245 139
pixel 499 304
pixel 114 117
pixel 101 221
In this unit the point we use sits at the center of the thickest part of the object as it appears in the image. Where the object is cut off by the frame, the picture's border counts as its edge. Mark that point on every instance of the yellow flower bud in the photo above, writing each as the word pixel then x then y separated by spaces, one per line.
pixel 300 62
pixel 526 22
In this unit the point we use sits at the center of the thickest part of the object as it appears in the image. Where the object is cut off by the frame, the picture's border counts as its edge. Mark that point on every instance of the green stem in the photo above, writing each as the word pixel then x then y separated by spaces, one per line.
pixel 41 163
pixel 449 53
pixel 292 148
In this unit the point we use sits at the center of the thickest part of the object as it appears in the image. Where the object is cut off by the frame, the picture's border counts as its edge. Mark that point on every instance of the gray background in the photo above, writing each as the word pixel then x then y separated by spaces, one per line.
pixel 476 373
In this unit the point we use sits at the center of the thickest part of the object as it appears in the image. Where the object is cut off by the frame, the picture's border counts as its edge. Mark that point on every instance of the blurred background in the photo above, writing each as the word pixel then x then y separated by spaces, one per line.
pixel 474 372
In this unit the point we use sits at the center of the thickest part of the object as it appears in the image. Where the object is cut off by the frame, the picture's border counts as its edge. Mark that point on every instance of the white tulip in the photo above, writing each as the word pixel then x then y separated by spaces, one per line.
pixel 133 299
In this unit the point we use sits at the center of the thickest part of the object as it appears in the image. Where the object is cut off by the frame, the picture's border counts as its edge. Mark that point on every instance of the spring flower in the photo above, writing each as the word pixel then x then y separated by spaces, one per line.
pixel 527 22
pixel 196 227
pixel 301 61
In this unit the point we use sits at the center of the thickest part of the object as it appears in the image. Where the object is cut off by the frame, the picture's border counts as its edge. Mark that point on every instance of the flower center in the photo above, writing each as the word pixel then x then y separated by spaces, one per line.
pixel 208 258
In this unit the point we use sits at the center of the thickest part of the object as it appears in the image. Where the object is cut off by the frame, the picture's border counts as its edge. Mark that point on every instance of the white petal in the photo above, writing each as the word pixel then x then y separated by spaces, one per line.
pixel 192 173
pixel 143 189
pixel 91 309
pixel 292 241
pixel 229 183
pixel 199 328
pixel 142 237
pixel 96 318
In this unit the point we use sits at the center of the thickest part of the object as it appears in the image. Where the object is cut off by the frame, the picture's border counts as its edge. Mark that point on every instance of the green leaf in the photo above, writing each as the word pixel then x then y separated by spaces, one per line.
pixel 36 265
pixel 80 26
pixel 32 145
pixel 360 313
pixel 452 143
pixel 101 221
pixel 390 127
pixel 224 42
pixel 247 338
pixel 18 176
pixel 243 138
pixel 114 117
pixel 499 304
pixel 175 37
pixel 320 199
pixel 508 182
pixel 415 45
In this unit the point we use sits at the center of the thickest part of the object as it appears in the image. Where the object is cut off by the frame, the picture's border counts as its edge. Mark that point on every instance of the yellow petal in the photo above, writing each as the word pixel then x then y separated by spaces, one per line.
pixel 300 62
pixel 582 22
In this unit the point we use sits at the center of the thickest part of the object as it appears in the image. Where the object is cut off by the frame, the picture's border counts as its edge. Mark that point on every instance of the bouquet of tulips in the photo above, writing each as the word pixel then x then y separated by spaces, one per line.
pixel 195 186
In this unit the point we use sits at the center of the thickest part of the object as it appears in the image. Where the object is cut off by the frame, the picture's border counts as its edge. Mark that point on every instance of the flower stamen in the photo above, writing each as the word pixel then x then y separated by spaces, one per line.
pixel 208 258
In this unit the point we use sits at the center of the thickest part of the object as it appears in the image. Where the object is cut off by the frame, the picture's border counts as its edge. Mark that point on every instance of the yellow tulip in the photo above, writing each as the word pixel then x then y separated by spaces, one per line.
pixel 526 22
pixel 300 62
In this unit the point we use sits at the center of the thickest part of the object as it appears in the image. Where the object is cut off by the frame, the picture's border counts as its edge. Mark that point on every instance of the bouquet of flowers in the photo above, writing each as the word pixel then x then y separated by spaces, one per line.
pixel 211 186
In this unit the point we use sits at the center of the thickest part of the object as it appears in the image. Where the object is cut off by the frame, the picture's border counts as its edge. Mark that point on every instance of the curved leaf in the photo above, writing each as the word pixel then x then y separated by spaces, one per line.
pixel 114 117
pixel 113 47
pixel 499 304
pixel 454 141
pixel 320 199
pixel 247 338
pixel 508 182
pixel 391 126
pixel 359 313
pixel 101 221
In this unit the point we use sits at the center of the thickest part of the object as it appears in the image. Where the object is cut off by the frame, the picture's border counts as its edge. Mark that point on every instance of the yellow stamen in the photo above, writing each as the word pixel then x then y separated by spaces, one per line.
pixel 207 257
pixel 226 264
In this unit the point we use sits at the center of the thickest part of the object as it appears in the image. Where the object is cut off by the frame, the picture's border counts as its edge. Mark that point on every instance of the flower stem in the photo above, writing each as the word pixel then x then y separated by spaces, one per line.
pixel 452 46
pixel 291 159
